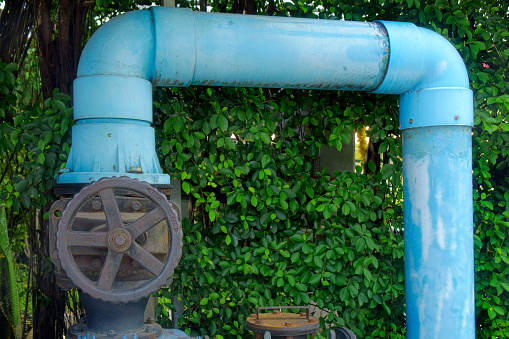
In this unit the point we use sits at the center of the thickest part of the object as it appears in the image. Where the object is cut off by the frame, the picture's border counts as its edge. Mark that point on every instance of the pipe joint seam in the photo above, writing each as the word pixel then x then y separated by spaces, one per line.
pixel 420 59
pixel 436 107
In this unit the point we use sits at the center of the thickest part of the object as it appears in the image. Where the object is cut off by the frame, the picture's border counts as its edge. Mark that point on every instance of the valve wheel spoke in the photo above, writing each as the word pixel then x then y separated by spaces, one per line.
pixel 97 239
pixel 111 208
pixel 109 270
pixel 146 259
pixel 146 222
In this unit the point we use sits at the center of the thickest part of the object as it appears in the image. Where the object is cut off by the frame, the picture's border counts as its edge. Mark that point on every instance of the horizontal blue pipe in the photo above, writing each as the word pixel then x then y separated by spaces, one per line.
pixel 257 51
pixel 178 47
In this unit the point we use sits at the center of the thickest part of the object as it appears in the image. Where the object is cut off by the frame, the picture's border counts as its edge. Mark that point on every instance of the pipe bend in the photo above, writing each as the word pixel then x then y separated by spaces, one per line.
pixel 429 74
pixel 124 46
pixel 420 59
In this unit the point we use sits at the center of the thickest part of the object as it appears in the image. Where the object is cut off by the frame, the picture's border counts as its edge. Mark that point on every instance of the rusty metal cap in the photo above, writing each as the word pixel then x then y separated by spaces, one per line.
pixel 282 323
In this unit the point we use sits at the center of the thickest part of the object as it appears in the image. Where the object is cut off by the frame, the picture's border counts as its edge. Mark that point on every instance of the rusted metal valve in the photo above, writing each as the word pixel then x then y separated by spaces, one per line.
pixel 117 240
pixel 282 325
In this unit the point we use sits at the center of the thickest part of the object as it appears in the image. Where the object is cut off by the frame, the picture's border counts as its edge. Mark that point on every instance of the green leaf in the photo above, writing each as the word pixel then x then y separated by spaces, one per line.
pixel 223 123
pixel 9 145
pixel 327 213
pixel 25 200
pixel 343 294
pixel 58 105
pixel 165 147
pixel 177 123
pixel 186 187
pixel 318 261
pixel 229 143
pixel 301 287
pixel 41 158
pixel 265 218
pixel 11 67
pixel 204 301
pixel 265 160
pixel 20 186
pixel 231 218
pixel 315 279
pixel 265 137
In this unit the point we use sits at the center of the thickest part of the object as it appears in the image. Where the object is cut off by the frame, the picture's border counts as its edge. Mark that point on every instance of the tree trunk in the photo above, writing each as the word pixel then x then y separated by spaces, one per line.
pixel 60 43
pixel 16 28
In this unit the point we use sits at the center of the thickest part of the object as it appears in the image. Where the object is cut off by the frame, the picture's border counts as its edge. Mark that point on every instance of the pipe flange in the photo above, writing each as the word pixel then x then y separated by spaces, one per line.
pixel 117 238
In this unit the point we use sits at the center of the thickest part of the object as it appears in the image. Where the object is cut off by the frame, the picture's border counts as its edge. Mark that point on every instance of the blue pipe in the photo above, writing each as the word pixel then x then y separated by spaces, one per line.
pixel 436 117
pixel 176 47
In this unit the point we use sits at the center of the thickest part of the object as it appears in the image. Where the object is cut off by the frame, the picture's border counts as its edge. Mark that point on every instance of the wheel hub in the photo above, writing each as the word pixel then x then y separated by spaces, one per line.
pixel 119 240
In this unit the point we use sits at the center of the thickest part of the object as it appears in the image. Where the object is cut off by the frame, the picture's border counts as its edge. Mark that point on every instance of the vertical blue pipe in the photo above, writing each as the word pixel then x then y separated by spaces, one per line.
pixel 436 116
pixel 437 174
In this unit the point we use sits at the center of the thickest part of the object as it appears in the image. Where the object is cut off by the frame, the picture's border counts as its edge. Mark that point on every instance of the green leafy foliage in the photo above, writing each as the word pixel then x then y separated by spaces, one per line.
pixel 9 296
pixel 35 143
pixel 266 228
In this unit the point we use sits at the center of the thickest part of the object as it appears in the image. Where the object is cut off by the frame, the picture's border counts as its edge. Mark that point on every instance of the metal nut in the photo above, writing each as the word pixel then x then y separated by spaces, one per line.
pixel 96 205
pixel 456 117
pixel 136 205
pixel 410 121
pixel 96 262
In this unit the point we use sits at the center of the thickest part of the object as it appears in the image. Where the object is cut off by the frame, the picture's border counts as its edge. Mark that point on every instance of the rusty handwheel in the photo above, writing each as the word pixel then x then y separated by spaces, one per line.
pixel 119 239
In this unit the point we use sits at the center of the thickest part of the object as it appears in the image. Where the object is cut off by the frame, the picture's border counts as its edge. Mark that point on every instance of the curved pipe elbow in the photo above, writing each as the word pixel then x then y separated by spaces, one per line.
pixel 430 75
pixel 124 46
pixel 117 62
pixel 420 59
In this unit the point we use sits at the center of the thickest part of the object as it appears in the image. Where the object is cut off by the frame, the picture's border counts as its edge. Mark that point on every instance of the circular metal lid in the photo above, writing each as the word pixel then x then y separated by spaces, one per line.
pixel 282 324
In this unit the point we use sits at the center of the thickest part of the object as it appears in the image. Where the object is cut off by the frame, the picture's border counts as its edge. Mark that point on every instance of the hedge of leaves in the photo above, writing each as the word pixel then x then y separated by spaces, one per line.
pixel 266 228
pixel 34 145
